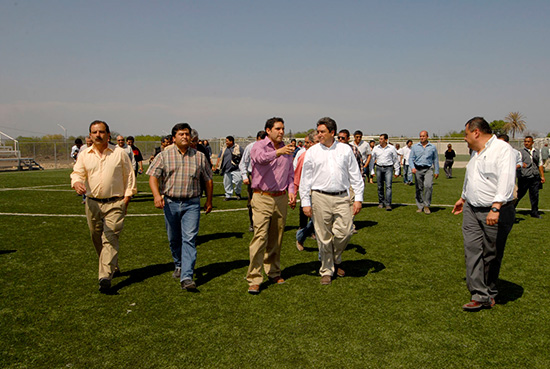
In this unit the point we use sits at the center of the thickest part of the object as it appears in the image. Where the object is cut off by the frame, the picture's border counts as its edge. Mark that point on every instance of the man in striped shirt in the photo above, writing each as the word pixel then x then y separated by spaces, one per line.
pixel 175 182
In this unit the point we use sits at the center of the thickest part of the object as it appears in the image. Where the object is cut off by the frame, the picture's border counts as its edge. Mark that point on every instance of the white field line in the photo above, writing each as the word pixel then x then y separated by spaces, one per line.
pixel 213 211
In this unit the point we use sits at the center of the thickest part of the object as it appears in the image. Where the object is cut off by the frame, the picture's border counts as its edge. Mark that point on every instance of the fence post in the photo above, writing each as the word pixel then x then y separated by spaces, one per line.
pixel 55 154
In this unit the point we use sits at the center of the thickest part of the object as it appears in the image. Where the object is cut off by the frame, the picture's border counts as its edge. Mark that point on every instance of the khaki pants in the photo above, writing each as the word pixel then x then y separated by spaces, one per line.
pixel 105 222
pixel 332 219
pixel 269 216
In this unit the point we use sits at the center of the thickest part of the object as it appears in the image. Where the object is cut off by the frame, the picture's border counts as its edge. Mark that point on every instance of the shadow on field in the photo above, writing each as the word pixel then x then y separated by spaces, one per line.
pixel 360 224
pixel 359 249
pixel 216 236
pixel 435 209
pixel 140 274
pixel 527 213
pixel 2 252
pixel 143 198
pixel 353 268
pixel 208 272
pixel 508 291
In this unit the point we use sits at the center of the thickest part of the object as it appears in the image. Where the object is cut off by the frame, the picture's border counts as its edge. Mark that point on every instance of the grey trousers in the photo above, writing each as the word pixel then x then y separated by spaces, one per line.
pixel 424 186
pixel 484 249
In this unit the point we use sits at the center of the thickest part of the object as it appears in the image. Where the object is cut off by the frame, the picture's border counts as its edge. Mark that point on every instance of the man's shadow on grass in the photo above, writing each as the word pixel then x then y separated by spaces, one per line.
pixel 203 238
pixel 360 224
pixel 208 272
pixel 508 291
pixel 353 268
pixel 435 209
pixel 2 252
pixel 139 275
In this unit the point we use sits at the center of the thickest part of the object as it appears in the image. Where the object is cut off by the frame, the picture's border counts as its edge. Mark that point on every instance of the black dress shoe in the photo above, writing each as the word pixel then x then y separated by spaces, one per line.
pixel 104 285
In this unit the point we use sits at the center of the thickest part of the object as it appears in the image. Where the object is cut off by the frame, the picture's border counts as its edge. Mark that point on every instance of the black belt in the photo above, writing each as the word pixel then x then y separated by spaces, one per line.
pixel 180 199
pixel 488 208
pixel 384 166
pixel 331 193
pixel 422 166
pixel 104 201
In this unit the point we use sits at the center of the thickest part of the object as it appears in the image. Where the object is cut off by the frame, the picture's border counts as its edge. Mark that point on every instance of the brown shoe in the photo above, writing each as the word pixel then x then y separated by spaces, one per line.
pixel 339 271
pixel 188 284
pixel 427 210
pixel 277 280
pixel 254 289
pixel 299 246
pixel 326 280
pixel 419 210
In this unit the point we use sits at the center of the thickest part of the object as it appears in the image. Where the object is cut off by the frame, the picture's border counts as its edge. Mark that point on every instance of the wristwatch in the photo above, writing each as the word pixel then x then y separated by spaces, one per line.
pixel 495 210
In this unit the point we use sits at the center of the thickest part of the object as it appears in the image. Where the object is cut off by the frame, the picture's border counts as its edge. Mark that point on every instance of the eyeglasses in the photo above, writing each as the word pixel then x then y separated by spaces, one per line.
pixel 340 138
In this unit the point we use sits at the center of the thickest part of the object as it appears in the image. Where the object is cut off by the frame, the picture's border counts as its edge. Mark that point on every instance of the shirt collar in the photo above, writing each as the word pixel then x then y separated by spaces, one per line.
pixel 488 143
pixel 109 147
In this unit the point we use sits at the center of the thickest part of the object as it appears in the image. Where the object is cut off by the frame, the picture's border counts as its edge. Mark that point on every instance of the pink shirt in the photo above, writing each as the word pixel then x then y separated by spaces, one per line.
pixel 269 172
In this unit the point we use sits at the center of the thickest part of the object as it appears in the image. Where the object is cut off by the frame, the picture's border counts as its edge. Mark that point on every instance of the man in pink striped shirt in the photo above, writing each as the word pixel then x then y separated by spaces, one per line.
pixel 273 184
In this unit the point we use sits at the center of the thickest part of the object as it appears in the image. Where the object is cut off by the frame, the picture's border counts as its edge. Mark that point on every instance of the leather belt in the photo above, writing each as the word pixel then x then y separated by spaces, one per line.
pixel 331 193
pixel 271 193
pixel 104 201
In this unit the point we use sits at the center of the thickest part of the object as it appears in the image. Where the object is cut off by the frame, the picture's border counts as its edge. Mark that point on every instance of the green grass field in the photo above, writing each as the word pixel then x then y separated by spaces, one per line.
pixel 399 305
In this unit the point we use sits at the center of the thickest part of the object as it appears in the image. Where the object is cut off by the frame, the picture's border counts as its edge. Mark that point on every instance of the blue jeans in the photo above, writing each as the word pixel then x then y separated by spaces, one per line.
pixel 182 225
pixel 384 175
pixel 407 174
pixel 304 233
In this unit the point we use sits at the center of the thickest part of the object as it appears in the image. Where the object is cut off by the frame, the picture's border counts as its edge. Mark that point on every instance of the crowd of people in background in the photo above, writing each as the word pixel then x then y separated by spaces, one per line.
pixel 325 170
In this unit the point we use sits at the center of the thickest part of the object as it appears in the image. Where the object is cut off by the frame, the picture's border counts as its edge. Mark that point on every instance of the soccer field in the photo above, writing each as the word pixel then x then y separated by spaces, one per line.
pixel 399 305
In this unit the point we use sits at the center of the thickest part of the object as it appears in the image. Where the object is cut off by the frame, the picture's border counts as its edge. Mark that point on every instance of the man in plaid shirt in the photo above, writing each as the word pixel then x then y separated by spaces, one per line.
pixel 175 182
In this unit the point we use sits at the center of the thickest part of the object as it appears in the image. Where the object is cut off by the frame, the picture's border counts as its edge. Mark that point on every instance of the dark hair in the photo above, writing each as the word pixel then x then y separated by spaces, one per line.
pixel 504 136
pixel 130 138
pixel 478 123
pixel 358 132
pixel 271 122
pixel 385 135
pixel 344 131
pixel 180 127
pixel 372 141
pixel 230 138
pixel 528 136
pixel 166 138
pixel 78 141
pixel 329 123
pixel 261 134
pixel 99 122
pixel 408 142
pixel 293 140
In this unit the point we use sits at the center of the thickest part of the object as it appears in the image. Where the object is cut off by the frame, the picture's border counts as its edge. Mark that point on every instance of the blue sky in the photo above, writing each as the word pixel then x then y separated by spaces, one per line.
pixel 226 66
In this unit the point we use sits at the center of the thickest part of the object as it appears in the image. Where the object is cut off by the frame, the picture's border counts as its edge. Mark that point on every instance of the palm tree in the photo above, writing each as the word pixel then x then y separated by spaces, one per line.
pixel 514 123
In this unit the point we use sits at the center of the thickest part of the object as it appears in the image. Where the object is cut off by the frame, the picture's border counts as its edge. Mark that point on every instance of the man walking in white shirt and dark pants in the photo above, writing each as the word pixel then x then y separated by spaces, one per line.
pixel 329 169
pixel 489 214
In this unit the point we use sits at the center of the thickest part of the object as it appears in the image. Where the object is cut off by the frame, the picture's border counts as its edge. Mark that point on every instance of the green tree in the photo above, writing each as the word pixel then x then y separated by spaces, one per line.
pixel 498 127
pixel 514 123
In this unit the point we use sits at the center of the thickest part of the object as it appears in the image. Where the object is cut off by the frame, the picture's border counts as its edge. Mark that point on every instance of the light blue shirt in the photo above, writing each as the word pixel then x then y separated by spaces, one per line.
pixel 424 156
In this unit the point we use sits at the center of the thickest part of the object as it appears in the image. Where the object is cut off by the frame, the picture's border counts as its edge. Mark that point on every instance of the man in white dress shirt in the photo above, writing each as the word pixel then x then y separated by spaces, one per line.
pixel 364 149
pixel 489 214
pixel 329 169
pixel 386 161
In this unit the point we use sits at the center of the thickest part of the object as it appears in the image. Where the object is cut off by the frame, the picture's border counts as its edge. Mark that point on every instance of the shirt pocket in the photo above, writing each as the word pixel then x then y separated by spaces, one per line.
pixel 488 168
